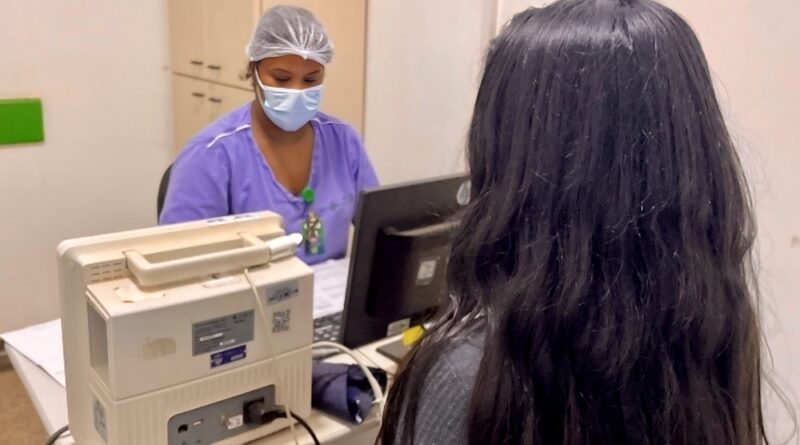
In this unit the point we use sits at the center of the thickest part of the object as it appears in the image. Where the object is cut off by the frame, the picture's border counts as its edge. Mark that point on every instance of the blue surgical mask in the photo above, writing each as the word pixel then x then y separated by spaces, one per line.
pixel 287 108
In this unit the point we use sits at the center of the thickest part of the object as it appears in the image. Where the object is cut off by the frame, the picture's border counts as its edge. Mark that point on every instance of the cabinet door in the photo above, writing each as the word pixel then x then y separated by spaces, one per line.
pixel 222 99
pixel 187 36
pixel 190 112
pixel 229 26
pixel 345 22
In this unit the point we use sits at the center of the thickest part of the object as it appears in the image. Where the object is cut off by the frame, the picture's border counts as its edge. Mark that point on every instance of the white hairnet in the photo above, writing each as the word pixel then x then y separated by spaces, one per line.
pixel 285 30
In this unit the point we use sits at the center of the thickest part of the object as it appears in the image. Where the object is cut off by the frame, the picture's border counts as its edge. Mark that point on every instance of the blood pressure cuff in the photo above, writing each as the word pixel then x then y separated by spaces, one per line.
pixel 343 390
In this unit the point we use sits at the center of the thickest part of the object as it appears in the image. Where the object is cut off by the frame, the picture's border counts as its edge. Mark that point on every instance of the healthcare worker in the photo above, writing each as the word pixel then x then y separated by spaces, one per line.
pixel 278 152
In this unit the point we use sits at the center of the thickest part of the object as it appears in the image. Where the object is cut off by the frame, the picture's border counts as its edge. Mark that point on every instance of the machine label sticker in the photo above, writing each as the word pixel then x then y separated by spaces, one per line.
pixel 223 332
pixel 280 292
pixel 426 271
pixel 100 424
pixel 219 220
pixel 281 321
pixel 228 356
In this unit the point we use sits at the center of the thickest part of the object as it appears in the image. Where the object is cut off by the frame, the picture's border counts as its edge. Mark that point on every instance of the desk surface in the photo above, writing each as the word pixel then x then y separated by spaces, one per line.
pixel 48 396
pixel 50 401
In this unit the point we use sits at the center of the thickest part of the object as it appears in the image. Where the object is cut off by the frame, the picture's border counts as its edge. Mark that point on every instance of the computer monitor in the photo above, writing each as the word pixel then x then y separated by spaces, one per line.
pixel 399 256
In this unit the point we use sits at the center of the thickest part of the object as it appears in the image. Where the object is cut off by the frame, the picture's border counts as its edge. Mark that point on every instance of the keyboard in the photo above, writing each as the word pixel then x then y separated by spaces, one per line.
pixel 328 328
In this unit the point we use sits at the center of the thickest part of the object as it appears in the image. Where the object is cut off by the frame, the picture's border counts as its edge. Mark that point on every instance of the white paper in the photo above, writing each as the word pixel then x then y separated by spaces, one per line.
pixel 330 285
pixel 42 345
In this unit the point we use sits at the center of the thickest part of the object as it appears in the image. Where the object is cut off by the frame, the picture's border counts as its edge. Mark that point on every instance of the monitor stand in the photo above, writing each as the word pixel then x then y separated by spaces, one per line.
pixel 395 350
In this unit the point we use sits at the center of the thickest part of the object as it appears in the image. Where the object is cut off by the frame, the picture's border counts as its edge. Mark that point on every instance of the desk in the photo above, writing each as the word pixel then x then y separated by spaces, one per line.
pixel 48 396
pixel 50 401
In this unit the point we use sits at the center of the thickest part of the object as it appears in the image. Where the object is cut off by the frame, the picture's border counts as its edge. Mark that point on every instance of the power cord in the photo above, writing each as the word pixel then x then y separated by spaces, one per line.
pixel 255 412
pixel 263 312
pixel 56 435
pixel 373 363
pixel 305 425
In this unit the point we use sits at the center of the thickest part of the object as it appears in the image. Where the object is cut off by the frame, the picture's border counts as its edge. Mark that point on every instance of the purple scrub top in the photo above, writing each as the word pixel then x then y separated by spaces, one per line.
pixel 222 172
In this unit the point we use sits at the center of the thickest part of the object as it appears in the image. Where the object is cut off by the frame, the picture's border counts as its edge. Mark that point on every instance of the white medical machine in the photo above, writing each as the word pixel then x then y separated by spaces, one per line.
pixel 165 343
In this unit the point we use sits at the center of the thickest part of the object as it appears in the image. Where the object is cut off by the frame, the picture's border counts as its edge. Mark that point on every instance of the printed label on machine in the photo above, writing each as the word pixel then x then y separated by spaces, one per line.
pixel 228 356
pixel 100 419
pixel 223 332
pixel 280 292
pixel 426 271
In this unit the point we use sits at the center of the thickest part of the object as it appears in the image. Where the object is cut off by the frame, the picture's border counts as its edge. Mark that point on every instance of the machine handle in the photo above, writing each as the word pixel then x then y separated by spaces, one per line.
pixel 254 252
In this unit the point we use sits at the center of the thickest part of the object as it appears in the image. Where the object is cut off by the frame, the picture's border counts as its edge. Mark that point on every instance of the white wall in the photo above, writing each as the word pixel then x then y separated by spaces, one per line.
pixel 423 67
pixel 99 68
pixel 754 53
pixel 507 8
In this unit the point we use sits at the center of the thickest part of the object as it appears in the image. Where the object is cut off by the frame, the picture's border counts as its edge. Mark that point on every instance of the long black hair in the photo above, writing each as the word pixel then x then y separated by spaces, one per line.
pixel 605 256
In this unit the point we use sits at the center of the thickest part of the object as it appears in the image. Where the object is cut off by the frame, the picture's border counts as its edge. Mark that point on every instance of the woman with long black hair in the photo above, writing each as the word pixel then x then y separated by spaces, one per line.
pixel 600 281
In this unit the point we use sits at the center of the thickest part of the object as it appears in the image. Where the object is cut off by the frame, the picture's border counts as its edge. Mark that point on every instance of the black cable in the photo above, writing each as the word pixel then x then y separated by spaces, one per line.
pixel 55 436
pixel 307 427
